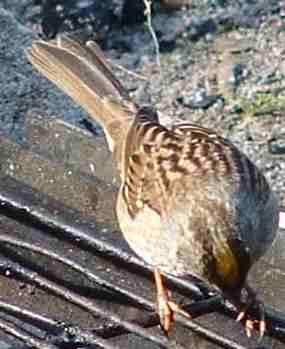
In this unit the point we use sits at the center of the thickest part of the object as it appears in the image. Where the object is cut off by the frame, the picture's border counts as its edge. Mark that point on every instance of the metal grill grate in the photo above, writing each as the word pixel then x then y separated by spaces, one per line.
pixel 25 208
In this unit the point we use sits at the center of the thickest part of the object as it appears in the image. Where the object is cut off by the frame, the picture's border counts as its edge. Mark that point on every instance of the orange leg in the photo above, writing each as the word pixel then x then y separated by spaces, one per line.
pixel 166 308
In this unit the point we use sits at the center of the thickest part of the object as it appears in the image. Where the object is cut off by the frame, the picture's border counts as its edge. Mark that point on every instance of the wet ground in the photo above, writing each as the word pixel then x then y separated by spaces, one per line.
pixel 221 66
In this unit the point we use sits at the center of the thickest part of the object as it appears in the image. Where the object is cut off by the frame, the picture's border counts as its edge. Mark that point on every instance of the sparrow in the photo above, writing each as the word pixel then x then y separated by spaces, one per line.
pixel 190 202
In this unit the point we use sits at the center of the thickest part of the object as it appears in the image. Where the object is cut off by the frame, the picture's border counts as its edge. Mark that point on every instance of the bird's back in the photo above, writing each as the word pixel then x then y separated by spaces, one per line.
pixel 209 207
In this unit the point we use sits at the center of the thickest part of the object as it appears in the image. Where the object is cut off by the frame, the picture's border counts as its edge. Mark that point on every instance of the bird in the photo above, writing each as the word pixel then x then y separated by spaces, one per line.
pixel 190 202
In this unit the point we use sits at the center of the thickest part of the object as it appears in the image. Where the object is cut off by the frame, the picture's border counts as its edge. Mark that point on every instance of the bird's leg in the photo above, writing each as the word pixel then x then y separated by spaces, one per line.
pixel 249 323
pixel 164 311
pixel 166 308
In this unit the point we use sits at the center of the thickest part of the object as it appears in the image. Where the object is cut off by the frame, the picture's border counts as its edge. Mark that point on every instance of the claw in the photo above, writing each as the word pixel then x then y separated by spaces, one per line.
pixel 248 327
pixel 248 323
pixel 262 328
pixel 164 311
pixel 240 316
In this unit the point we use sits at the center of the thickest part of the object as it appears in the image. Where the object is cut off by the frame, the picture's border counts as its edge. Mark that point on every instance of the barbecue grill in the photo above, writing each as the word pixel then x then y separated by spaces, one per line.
pixel 68 279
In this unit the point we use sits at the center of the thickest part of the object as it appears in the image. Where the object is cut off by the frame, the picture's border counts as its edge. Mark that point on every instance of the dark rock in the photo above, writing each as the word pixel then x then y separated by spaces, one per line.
pixel 246 13
pixel 276 146
pixel 199 99
pixel 239 73
pixel 199 27
pixel 172 5
pixel 57 16
pixel 168 29
pixel 133 12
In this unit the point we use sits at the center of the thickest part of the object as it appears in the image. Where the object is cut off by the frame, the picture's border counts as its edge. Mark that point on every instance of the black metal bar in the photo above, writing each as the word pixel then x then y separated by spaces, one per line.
pixel 32 341
pixel 34 318
pixel 19 200
pixel 90 306
pixel 223 342
pixel 38 280
pixel 89 337
pixel 149 306
pixel 131 297
pixel 62 332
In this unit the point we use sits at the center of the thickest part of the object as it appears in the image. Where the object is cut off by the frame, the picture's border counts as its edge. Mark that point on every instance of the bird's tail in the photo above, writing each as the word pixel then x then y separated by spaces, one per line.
pixel 82 72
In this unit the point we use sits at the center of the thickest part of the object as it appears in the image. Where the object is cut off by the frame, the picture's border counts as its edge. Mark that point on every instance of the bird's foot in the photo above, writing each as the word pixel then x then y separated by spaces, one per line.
pixel 166 308
pixel 250 324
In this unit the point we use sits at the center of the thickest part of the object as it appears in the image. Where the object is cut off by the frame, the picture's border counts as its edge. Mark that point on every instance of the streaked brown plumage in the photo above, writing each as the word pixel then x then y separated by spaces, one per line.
pixel 190 202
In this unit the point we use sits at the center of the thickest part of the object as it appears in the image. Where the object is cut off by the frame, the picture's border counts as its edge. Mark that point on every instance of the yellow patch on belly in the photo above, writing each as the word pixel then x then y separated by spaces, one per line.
pixel 227 269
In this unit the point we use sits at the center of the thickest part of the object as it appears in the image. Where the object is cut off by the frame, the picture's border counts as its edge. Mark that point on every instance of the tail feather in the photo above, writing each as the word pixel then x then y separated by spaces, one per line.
pixel 84 74
pixel 93 56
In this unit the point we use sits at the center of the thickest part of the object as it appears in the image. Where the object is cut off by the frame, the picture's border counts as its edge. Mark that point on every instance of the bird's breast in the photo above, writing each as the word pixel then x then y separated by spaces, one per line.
pixel 146 235
pixel 188 240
